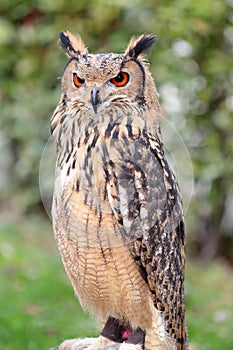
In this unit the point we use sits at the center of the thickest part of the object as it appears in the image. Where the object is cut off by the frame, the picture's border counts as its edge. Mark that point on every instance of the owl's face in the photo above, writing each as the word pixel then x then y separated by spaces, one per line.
pixel 98 82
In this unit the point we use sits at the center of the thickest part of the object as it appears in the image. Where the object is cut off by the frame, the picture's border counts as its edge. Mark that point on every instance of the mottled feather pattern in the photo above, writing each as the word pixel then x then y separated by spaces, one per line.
pixel 117 209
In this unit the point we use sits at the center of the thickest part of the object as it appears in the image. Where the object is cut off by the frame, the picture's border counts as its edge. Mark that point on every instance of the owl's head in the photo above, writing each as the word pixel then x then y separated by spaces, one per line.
pixel 99 82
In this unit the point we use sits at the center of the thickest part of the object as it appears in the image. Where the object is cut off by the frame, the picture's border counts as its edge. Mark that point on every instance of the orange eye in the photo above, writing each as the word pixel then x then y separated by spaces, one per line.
pixel 121 79
pixel 78 82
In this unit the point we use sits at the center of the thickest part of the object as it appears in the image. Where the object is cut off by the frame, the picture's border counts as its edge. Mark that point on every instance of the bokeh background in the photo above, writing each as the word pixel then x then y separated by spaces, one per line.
pixel 193 68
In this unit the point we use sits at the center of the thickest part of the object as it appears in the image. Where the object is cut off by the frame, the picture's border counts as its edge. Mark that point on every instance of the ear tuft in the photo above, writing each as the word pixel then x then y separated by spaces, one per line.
pixel 140 46
pixel 73 45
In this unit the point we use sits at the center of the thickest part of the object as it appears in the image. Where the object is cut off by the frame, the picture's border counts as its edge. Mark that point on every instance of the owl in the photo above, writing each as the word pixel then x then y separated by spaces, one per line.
pixel 117 209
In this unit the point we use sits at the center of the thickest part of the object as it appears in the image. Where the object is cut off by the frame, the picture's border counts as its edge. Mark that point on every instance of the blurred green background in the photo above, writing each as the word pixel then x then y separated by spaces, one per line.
pixel 193 68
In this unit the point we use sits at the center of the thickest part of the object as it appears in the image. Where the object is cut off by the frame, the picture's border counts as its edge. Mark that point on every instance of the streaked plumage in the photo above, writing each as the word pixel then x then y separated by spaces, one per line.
pixel 117 212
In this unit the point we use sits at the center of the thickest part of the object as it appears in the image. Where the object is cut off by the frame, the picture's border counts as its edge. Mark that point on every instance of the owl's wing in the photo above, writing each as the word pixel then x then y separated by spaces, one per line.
pixel 145 199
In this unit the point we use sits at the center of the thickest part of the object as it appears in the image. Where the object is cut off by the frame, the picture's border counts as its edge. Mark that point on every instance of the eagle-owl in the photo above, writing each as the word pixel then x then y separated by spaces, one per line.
pixel 117 212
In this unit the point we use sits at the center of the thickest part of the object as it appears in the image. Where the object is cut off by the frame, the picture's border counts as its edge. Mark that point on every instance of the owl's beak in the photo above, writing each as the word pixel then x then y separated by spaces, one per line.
pixel 95 98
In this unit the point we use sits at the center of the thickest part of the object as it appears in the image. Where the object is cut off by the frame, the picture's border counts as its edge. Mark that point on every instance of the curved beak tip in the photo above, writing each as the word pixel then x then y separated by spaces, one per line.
pixel 95 98
pixel 95 108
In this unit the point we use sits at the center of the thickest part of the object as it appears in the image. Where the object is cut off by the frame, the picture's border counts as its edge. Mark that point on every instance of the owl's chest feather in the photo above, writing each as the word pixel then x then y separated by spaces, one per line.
pixel 106 281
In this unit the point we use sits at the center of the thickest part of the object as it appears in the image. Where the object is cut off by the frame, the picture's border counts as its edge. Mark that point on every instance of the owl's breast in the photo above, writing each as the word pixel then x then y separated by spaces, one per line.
pixel 81 203
pixel 81 210
pixel 83 222
pixel 107 281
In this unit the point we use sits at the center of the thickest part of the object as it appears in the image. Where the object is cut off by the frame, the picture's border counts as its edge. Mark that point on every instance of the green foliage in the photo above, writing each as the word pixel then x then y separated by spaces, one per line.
pixel 209 306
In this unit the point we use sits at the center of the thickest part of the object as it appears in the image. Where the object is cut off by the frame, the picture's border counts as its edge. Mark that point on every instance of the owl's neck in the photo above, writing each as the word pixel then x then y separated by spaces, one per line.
pixel 72 129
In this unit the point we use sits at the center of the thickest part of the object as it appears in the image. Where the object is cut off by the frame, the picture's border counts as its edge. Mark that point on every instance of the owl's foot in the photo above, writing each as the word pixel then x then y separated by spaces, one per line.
pixel 118 333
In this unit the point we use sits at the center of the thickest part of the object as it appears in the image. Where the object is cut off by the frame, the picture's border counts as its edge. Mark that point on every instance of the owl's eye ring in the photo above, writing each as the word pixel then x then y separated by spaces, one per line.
pixel 121 79
pixel 78 82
